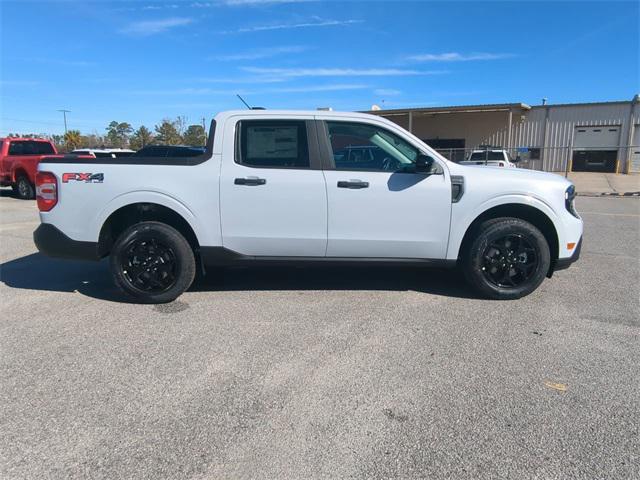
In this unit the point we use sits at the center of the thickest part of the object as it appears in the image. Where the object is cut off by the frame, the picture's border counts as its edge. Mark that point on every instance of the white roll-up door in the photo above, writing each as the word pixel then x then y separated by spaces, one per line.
pixel 635 150
pixel 605 138
pixel 595 149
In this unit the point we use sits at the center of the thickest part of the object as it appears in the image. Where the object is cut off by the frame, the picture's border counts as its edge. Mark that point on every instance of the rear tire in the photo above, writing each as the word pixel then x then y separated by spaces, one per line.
pixel 23 188
pixel 152 262
pixel 508 259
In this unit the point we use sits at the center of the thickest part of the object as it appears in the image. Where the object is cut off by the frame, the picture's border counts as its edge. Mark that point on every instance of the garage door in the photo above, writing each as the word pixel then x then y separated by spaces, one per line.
pixel 595 149
pixel 635 150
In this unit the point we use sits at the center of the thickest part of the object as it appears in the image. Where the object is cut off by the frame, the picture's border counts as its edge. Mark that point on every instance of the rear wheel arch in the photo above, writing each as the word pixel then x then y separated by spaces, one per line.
pixel 128 215
pixel 18 172
pixel 530 214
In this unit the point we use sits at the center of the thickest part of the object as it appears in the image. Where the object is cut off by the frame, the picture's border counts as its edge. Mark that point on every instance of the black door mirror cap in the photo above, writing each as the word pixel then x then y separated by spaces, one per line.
pixel 425 164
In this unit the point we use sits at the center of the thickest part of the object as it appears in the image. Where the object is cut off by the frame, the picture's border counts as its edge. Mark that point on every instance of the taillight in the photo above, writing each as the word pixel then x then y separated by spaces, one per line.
pixel 46 191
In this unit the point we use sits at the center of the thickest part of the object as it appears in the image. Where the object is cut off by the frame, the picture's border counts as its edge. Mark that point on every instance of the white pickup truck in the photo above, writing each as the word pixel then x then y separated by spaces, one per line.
pixel 306 187
pixel 490 157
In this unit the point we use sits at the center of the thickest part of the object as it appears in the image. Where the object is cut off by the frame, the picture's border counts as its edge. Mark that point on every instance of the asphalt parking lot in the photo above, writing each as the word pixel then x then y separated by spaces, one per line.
pixel 334 372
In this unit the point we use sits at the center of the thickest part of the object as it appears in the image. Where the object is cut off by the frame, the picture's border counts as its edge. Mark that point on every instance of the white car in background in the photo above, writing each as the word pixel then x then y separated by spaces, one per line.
pixel 491 157
pixel 104 152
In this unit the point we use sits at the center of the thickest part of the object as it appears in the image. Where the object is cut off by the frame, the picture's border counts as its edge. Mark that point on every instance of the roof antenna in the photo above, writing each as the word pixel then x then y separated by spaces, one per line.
pixel 242 100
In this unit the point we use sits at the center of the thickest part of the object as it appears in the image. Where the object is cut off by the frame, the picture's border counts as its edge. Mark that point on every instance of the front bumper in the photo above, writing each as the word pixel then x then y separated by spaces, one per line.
pixel 564 263
pixel 53 243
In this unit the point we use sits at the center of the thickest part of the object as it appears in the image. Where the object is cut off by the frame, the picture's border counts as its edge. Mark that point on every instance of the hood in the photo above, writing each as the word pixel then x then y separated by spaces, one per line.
pixel 503 174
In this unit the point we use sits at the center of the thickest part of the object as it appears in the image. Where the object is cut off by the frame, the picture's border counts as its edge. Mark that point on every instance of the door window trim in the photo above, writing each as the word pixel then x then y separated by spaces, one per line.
pixel 311 137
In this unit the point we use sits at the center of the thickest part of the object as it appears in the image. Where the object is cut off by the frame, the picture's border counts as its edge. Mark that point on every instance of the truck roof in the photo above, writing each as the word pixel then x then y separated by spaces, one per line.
pixel 25 139
pixel 316 113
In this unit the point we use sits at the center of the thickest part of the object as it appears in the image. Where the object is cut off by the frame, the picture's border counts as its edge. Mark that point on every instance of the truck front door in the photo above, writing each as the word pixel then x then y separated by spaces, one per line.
pixel 379 207
pixel 273 197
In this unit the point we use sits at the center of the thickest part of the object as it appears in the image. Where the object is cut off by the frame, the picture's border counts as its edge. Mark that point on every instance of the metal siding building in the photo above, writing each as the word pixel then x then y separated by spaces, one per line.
pixel 549 130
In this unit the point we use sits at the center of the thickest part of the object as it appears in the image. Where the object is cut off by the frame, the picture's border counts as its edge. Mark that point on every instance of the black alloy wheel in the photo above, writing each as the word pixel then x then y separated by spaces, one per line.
pixel 149 266
pixel 506 258
pixel 152 262
pixel 510 261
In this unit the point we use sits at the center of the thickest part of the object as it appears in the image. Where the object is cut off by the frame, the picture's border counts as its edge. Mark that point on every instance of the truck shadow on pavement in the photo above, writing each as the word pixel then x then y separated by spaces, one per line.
pixel 93 279
pixel 8 192
pixel 38 272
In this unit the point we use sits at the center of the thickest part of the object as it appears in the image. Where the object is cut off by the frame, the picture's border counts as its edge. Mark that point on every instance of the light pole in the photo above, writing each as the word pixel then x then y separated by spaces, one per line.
pixel 64 113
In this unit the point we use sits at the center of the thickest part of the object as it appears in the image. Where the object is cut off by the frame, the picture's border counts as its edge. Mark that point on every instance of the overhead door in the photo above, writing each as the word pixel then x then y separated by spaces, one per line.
pixel 595 149
pixel 634 167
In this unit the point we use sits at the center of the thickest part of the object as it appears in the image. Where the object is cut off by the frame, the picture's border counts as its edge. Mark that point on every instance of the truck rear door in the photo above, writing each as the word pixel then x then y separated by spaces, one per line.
pixel 273 198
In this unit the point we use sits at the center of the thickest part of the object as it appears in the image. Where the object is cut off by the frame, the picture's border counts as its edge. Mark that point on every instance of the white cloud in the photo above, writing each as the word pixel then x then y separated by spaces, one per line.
pixel 416 103
pixel 317 88
pixel 234 3
pixel 151 27
pixel 190 91
pixel 256 91
pixel 387 91
pixel 161 6
pixel 245 80
pixel 337 72
pixel 457 57
pixel 19 83
pixel 287 26
pixel 260 53
pixel 65 63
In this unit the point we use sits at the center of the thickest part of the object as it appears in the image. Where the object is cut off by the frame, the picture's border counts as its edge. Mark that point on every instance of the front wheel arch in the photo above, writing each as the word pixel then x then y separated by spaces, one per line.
pixel 527 213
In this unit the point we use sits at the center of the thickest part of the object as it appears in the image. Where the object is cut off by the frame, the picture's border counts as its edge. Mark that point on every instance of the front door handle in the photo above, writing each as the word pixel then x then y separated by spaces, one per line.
pixel 354 184
pixel 251 181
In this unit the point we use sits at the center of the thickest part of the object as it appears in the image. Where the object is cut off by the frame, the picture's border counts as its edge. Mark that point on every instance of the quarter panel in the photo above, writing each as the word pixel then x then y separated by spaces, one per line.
pixel 192 191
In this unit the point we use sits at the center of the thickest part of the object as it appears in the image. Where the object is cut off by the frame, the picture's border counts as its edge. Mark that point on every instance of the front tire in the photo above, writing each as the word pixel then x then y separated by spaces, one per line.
pixel 23 188
pixel 152 262
pixel 508 259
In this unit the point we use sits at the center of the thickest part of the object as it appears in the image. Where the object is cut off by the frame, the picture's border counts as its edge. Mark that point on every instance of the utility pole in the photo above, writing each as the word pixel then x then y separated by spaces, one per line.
pixel 64 113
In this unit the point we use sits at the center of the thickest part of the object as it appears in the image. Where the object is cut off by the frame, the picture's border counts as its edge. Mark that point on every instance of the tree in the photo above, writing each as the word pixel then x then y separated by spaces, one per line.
pixel 72 139
pixel 195 136
pixel 93 140
pixel 141 138
pixel 118 134
pixel 168 132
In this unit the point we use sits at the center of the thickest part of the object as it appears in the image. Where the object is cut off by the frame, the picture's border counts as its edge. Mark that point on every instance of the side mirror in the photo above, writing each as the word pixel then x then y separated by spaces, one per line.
pixel 424 163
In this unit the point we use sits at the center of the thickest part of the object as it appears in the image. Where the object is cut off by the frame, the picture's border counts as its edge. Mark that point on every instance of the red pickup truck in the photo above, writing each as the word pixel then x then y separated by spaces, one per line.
pixel 19 159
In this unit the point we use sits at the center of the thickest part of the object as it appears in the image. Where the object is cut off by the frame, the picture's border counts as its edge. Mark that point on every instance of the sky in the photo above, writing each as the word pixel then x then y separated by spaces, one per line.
pixel 142 61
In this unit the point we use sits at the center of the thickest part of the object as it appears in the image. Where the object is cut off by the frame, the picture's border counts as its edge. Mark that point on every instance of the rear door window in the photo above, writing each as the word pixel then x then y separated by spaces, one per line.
pixel 41 148
pixel 273 144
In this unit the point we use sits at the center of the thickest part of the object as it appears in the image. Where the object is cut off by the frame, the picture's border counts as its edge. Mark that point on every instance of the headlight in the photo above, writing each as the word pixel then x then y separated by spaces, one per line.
pixel 569 200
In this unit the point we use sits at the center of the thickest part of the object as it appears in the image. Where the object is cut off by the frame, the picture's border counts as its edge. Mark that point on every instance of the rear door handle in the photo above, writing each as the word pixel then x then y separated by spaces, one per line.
pixel 250 181
pixel 353 184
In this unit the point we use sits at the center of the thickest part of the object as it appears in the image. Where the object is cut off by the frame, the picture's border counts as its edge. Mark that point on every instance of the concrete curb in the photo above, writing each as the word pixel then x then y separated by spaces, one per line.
pixel 609 194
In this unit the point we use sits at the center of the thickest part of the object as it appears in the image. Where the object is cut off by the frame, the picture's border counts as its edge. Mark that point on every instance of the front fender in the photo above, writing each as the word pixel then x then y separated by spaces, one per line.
pixel 145 196
pixel 462 217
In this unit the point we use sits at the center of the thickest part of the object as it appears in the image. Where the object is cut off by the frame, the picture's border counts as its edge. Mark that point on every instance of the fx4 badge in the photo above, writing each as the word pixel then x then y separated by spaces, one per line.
pixel 83 177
